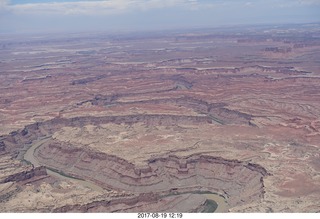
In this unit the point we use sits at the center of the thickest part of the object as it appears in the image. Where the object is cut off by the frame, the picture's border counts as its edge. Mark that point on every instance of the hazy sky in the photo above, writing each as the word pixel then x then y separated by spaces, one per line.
pixel 104 15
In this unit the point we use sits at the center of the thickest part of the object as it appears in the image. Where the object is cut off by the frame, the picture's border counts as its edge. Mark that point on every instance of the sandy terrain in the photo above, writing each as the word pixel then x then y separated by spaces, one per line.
pixel 161 123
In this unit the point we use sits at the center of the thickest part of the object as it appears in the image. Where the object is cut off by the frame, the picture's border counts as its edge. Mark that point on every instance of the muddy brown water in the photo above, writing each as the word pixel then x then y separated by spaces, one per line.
pixel 29 156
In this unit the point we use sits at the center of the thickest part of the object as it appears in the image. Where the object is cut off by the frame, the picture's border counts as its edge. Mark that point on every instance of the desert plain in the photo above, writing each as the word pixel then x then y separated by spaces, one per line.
pixel 202 120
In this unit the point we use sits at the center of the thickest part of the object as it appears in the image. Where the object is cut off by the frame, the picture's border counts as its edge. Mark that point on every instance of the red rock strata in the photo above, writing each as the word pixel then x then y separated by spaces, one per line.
pixel 25 175
pixel 160 120
pixel 237 181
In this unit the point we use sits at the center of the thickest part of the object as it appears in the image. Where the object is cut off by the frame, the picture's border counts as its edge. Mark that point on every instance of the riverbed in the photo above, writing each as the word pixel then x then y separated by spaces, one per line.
pixel 29 157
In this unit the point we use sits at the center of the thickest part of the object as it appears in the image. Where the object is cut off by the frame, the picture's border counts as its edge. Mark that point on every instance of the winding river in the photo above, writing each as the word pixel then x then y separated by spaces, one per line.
pixel 29 157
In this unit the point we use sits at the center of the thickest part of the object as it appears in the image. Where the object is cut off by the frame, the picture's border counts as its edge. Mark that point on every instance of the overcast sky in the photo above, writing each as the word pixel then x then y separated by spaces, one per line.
pixel 114 15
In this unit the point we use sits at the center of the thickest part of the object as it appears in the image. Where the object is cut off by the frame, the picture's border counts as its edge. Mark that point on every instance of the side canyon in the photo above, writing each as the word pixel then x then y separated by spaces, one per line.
pixel 215 121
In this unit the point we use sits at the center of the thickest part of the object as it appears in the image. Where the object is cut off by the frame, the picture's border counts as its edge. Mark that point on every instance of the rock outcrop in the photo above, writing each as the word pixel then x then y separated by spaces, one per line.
pixel 21 176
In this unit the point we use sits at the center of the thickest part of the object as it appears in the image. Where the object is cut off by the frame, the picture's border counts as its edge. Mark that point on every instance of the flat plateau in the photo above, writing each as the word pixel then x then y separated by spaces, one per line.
pixel 208 122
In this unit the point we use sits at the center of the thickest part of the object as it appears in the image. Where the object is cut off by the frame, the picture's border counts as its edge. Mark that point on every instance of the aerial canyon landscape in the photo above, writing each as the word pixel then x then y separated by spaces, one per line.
pixel 199 120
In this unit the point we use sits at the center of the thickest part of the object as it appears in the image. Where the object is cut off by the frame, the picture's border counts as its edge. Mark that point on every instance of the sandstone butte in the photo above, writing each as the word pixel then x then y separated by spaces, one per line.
pixel 210 121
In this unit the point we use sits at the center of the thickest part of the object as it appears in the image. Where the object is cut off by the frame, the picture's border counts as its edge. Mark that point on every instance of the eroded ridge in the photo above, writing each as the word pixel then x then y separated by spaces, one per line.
pixel 236 181
pixel 156 177
pixel 176 114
